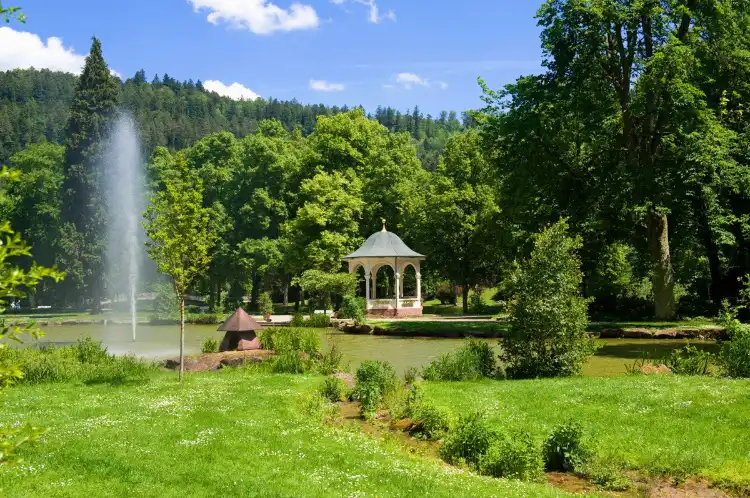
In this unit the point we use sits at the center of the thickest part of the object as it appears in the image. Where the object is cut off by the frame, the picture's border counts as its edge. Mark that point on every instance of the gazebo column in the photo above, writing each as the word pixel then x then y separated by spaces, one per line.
pixel 367 288
pixel 419 288
pixel 397 288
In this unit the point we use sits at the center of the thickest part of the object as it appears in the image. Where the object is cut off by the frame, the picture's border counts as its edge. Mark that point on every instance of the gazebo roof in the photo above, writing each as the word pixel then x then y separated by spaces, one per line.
pixel 384 244
pixel 240 321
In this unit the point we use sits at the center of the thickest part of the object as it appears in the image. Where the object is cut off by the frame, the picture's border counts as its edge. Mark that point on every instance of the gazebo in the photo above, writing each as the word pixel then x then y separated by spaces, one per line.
pixel 381 249
pixel 240 331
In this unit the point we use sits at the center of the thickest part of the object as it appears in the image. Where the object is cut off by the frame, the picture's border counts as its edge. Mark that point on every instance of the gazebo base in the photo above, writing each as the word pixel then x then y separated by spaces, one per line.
pixel 392 312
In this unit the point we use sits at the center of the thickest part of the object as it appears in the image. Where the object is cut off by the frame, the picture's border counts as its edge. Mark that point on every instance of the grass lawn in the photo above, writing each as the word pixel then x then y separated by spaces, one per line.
pixel 678 426
pixel 232 433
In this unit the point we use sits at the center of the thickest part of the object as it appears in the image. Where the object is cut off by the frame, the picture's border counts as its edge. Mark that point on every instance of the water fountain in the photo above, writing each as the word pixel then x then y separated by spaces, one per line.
pixel 125 204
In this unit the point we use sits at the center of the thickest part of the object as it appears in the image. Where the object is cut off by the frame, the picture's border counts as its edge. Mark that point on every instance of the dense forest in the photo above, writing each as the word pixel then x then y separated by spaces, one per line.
pixel 636 132
pixel 34 107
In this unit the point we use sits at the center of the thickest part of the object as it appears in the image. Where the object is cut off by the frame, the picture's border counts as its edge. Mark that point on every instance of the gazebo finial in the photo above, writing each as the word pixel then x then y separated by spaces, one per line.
pixel 383 220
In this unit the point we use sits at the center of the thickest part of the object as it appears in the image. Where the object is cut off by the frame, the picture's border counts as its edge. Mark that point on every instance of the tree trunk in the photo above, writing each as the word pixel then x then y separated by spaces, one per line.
pixel 212 296
pixel 182 337
pixel 286 290
pixel 715 287
pixel 465 297
pixel 658 235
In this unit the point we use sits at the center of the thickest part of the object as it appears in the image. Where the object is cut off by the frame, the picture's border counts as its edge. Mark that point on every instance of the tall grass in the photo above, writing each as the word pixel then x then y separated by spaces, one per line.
pixel 87 361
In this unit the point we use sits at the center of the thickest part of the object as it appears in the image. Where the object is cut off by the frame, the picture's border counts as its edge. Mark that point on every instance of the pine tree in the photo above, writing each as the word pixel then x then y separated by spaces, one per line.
pixel 84 213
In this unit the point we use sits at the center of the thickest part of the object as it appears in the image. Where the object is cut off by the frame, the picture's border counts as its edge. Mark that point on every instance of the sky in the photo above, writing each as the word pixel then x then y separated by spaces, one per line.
pixel 397 53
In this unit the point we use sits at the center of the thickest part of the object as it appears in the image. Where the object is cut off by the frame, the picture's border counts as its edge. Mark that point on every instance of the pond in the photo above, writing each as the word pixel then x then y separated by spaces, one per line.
pixel 162 341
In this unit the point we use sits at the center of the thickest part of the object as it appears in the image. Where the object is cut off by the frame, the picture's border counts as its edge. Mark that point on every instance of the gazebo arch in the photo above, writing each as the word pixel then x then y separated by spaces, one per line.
pixel 385 248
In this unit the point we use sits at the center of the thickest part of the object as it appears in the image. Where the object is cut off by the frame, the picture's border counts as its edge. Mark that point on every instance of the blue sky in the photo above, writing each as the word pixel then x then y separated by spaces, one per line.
pixel 371 52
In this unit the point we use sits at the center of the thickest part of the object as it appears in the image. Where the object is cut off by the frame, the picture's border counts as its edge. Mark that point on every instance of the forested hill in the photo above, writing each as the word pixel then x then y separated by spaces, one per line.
pixel 34 108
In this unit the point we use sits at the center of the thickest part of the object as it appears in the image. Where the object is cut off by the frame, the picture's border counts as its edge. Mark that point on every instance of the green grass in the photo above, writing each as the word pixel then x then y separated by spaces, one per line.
pixel 678 426
pixel 232 433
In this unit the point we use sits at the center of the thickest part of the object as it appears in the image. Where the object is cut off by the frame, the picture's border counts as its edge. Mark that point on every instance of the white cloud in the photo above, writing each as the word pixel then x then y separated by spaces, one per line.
pixel 389 86
pixel 235 91
pixel 324 86
pixel 407 80
pixel 443 85
pixel 259 16
pixel 24 50
pixel 374 14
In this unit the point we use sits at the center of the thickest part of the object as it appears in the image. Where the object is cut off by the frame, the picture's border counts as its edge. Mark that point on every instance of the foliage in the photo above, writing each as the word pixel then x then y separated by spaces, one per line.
pixel 331 360
pixel 180 234
pixel 410 375
pixel 547 336
pixel 474 360
pixel 477 304
pixel 83 214
pixel 298 320
pixel 430 422
pixel 565 449
pixel 265 304
pixel 210 345
pixel 354 307
pixel 689 361
pixel 166 305
pixel 323 286
pixel 445 293
pixel 375 379
pixel 290 339
pixel 318 321
pixel 469 440
pixel 87 362
pixel 333 389
pixel 735 353
pixel 11 13
pixel 514 456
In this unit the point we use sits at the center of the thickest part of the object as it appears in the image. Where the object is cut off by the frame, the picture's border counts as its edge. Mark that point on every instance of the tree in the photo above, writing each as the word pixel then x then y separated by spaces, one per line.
pixel 180 234
pixel 8 14
pixel 459 226
pixel 84 210
pixel 547 334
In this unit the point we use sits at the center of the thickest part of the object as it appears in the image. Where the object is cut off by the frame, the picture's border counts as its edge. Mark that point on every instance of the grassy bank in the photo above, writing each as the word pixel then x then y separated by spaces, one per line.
pixel 232 433
pixel 678 426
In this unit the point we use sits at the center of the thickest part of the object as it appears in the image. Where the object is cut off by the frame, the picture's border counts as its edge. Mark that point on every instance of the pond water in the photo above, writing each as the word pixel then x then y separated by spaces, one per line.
pixel 162 341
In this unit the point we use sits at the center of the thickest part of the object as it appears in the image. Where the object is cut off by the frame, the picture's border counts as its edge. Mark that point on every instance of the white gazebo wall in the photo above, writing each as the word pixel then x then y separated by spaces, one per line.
pixel 400 305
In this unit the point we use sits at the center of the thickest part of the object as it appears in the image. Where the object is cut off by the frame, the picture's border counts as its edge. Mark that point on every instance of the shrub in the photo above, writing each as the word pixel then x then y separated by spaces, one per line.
pixel 369 397
pixel 165 302
pixel 431 422
pixel 265 303
pixel 474 360
pixel 547 335
pixel 289 362
pixel 471 439
pixel 291 339
pixel 333 389
pixel 203 319
pixel 379 373
pixel 565 449
pixel 410 375
pixel 87 361
pixel 689 361
pixel 331 360
pixel 210 345
pixel 445 293
pixel 476 304
pixel 375 379
pixel 318 321
pixel 512 456
pixel 354 307
pixel 735 353
pixel 298 320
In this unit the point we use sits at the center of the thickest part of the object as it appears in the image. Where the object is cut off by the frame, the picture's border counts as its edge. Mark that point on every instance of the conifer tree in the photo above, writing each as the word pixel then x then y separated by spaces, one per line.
pixel 84 211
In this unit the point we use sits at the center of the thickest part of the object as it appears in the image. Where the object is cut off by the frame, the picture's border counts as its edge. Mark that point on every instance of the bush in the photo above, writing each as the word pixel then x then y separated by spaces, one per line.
pixel 474 360
pixel 565 450
pixel 204 319
pixel 289 362
pixel 469 441
pixel 446 293
pixel 298 320
pixel 735 353
pixel 331 360
pixel 689 361
pixel 354 307
pixel 318 321
pixel 476 304
pixel 291 340
pixel 410 375
pixel 165 302
pixel 547 336
pixel 375 379
pixel 512 456
pixel 87 361
pixel 333 389
pixel 430 422
pixel 210 345
pixel 265 303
